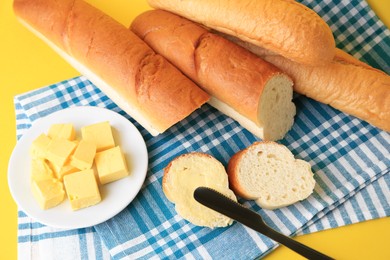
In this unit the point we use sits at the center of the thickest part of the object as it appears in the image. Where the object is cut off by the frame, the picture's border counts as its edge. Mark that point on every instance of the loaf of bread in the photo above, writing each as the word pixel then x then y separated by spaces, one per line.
pixel 138 80
pixel 284 27
pixel 189 171
pixel 241 85
pixel 268 173
pixel 346 84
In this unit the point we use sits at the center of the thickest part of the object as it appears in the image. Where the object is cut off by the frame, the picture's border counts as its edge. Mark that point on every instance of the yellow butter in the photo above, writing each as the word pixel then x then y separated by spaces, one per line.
pixel 59 151
pixel 62 131
pixel 82 189
pixel 110 165
pixel 100 134
pixel 39 146
pixel 48 193
pixel 61 171
pixel 83 155
pixel 40 170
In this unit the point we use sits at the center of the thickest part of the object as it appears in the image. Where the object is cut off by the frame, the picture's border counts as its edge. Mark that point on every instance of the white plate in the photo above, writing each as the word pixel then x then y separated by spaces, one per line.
pixel 115 196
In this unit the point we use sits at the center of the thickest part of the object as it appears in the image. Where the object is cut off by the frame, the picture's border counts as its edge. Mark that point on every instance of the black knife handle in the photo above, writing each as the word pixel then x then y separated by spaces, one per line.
pixel 226 206
pixel 301 249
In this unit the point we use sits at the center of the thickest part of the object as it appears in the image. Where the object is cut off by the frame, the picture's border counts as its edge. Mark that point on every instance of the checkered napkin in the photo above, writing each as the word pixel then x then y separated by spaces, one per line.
pixel 349 157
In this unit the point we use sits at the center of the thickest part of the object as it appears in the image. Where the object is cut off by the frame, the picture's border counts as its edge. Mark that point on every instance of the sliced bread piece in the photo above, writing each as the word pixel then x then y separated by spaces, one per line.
pixel 268 173
pixel 187 172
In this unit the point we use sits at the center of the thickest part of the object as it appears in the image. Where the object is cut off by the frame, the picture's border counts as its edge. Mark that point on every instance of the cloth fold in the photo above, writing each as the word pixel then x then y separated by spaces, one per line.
pixel 349 157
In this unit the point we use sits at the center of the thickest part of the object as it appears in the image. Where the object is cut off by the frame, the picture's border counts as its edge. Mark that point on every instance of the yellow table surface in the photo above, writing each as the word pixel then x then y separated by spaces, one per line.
pixel 26 63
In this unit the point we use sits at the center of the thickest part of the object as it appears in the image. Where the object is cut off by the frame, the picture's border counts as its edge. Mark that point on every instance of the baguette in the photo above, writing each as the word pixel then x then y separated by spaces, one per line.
pixel 189 171
pixel 138 80
pixel 346 84
pixel 268 173
pixel 241 85
pixel 284 27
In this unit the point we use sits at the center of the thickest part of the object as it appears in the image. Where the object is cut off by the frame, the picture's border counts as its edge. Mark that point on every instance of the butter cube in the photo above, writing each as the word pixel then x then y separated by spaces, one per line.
pixel 48 193
pixel 83 155
pixel 62 131
pixel 82 189
pixel 59 151
pixel 61 171
pixel 40 170
pixel 39 146
pixel 111 165
pixel 100 134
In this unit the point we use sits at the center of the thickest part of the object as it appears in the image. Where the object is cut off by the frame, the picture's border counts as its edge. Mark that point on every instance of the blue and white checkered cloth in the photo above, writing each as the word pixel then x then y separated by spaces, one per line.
pixel 349 157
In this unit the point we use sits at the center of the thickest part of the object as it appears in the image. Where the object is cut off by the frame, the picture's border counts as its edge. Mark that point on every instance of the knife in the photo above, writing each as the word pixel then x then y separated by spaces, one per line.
pixel 228 207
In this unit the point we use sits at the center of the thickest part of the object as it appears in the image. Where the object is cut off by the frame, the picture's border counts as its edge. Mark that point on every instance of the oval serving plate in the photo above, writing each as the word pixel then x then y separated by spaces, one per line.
pixel 115 196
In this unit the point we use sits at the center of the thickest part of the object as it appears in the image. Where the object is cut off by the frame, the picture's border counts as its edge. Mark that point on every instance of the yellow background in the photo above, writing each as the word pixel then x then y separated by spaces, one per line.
pixel 26 63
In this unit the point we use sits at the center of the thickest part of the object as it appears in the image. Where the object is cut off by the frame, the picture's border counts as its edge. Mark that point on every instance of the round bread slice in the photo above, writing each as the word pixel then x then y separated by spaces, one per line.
pixel 187 172
pixel 268 173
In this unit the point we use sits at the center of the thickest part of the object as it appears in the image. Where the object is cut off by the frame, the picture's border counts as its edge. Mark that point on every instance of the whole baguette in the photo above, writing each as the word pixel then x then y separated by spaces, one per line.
pixel 346 84
pixel 285 27
pixel 241 85
pixel 138 80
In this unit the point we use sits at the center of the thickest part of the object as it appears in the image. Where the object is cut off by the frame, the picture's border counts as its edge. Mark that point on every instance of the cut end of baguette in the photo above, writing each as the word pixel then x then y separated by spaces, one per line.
pixel 276 111
pixel 186 173
pixel 268 173
pixel 275 114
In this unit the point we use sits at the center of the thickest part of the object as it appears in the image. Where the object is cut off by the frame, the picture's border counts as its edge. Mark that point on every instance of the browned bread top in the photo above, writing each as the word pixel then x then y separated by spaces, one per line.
pixel 285 27
pixel 140 81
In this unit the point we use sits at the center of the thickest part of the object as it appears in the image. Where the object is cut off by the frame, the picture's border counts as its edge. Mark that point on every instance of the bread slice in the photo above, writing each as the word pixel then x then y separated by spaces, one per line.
pixel 268 173
pixel 187 172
